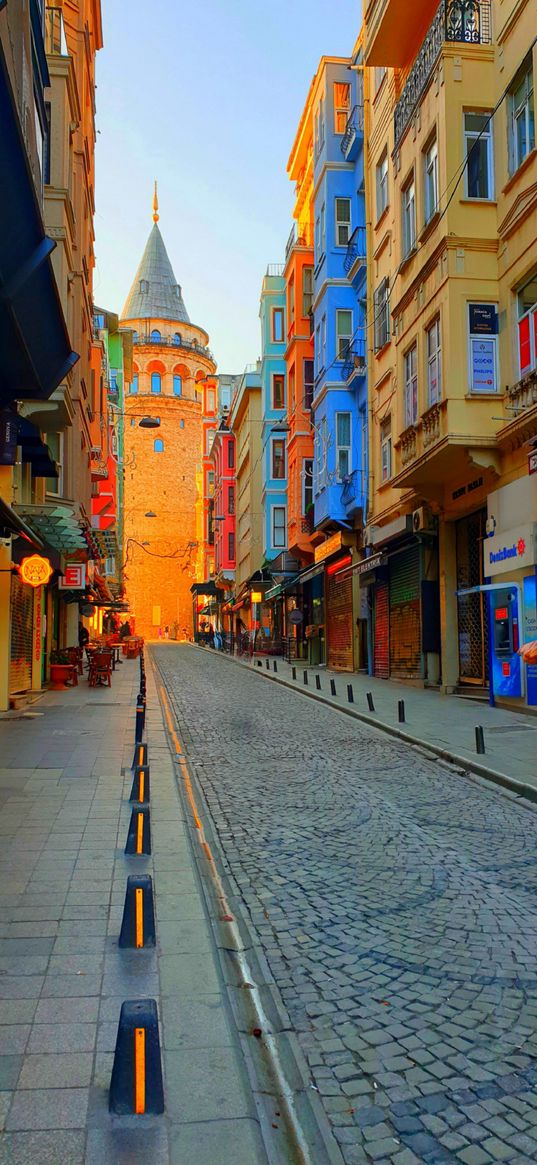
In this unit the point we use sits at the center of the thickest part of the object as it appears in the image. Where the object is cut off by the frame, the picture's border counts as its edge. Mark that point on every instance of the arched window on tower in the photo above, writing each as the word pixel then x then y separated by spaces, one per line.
pixel 155 336
pixel 177 338
pixel 156 382
pixel 177 385
pixel 158 445
pixel 134 383
pixel 135 337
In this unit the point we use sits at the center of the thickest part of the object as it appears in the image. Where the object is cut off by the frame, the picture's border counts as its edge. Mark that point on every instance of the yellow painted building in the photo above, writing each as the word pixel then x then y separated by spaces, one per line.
pixel 441 347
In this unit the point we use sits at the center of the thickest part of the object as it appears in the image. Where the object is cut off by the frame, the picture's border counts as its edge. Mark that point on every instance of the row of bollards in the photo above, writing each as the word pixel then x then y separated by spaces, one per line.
pixel 136 1085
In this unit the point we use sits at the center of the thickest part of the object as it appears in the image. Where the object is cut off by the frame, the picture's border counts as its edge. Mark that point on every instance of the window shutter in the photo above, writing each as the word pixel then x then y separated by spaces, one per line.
pixel 524 344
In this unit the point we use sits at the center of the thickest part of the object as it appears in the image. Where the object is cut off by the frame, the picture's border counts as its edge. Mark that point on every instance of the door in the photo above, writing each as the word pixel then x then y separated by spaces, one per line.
pixel 22 619
pixel 472 609
pixel 381 633
pixel 405 614
pixel 339 622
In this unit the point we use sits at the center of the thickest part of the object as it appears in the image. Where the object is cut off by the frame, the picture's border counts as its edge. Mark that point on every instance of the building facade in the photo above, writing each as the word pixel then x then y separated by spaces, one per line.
pixel 245 420
pixel 272 315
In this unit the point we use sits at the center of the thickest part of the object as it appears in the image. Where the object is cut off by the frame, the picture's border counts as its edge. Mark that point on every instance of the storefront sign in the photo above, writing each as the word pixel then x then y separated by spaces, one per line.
pixel 74 577
pixel 529 632
pixel 508 551
pixel 35 570
pixel 483 319
pixel 532 462
pixel 256 597
pixel 469 488
pixel 369 564
pixel 38 626
pixel 332 546
pixel 296 617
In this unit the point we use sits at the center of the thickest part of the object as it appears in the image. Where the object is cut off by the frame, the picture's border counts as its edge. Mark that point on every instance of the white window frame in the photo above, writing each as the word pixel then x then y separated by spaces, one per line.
pixel 471 137
pixel 57 481
pixel 434 362
pixel 273 442
pixel 529 314
pixel 323 342
pixel 318 354
pixel 343 339
pixel 523 78
pixel 487 342
pixel 341 109
pixel 381 315
pixel 382 185
pixel 274 544
pixel 280 312
pixel 343 226
pixel 386 449
pixel 346 448
pixel 323 229
pixel 307 291
pixel 408 209
pixel 430 174
pixel 379 74
pixel 307 482
pixel 410 364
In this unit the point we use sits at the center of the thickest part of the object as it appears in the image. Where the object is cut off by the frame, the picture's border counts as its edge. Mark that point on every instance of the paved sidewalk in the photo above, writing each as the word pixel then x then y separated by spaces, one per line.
pixel 64 789
pixel 445 723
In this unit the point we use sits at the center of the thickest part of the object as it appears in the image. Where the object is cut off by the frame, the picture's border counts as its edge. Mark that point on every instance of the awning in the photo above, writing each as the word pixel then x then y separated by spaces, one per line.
pixel 310 572
pixel 11 523
pixel 34 342
pixel 204 588
pixel 34 449
pixel 274 592
pixel 56 524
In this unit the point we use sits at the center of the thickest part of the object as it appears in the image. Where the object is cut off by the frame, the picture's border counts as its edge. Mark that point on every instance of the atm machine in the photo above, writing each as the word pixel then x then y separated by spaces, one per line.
pixel 505 634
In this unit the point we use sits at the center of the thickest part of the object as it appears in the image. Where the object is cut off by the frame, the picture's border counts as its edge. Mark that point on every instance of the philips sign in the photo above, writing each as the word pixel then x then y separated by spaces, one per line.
pixel 510 550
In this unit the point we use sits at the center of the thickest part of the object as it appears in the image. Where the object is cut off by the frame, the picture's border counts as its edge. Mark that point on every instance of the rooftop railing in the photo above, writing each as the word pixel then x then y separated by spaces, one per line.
pixel 354 126
pixel 176 341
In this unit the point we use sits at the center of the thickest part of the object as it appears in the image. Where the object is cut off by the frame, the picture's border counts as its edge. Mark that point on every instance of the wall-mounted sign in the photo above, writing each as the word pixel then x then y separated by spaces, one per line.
pixel 296 617
pixel 510 550
pixel 483 319
pixel 333 545
pixel 368 564
pixel 469 488
pixel 256 597
pixel 35 570
pixel 74 577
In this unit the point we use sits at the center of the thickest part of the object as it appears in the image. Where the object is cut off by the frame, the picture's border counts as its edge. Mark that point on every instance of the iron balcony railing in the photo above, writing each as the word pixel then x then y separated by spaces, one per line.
pixel 356 249
pixel 354 361
pixel 354 126
pixel 299 237
pixel 173 342
pixel 460 21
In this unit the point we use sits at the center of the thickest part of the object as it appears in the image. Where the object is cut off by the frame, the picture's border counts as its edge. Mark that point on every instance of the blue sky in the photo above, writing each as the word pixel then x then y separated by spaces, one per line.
pixel 206 98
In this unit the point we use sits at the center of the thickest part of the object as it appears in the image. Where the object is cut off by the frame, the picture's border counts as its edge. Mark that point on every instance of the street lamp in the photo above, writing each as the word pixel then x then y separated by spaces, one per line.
pixel 150 514
pixel 149 423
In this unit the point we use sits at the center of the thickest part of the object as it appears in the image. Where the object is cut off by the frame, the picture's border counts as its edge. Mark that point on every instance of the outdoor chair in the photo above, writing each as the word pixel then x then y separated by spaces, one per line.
pixel 100 668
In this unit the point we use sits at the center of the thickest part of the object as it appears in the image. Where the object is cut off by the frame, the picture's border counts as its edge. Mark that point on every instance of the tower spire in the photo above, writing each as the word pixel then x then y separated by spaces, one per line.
pixel 155 204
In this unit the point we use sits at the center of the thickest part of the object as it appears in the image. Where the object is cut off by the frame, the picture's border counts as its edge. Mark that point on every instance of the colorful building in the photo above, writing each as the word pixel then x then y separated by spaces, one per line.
pixel 274 412
pixel 245 420
pixel 163 410
pixel 223 460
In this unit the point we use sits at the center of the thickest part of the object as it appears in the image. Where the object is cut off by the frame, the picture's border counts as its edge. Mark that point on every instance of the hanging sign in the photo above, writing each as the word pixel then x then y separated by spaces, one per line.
pixel 74 577
pixel 35 570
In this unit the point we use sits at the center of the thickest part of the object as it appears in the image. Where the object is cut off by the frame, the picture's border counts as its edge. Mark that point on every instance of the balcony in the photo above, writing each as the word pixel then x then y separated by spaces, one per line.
pixel 307 524
pixel 355 364
pixel 356 252
pixel 352 140
pixel 301 236
pixel 455 21
pixel 176 341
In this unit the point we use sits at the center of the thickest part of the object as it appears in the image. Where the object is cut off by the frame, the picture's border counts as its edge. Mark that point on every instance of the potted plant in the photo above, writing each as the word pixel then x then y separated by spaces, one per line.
pixel 60 670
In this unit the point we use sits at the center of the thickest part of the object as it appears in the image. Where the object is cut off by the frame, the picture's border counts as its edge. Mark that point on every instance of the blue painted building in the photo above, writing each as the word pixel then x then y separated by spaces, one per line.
pixel 274 412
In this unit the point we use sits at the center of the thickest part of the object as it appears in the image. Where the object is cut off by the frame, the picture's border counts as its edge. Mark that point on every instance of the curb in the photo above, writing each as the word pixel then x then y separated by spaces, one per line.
pixel 460 762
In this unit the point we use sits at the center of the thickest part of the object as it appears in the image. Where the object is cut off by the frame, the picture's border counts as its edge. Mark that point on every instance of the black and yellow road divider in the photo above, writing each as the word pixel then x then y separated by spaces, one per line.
pixel 140 718
pixel 136 1084
pixel 139 835
pixel 138 925
pixel 140 755
pixel 140 785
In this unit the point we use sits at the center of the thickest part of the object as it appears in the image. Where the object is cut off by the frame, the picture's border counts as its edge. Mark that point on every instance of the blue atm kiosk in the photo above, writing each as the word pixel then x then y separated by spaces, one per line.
pixel 505 635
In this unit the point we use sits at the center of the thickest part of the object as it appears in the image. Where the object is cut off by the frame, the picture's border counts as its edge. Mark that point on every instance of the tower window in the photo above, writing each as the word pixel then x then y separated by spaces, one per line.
pixel 134 383
pixel 178 386
pixel 155 382
pixel 155 336
pixel 158 445
pixel 177 337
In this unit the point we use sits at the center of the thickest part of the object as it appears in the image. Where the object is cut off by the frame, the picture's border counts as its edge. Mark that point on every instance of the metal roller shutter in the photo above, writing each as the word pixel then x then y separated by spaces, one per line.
pixel 405 614
pixel 381 646
pixel 339 622
pixel 22 617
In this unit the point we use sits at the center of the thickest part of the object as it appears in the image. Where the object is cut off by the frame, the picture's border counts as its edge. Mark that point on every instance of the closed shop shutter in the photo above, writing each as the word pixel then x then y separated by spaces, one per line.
pixel 382 631
pixel 339 622
pixel 22 615
pixel 405 614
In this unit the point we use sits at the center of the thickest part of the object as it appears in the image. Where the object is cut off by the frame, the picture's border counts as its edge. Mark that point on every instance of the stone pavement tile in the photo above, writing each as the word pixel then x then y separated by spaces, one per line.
pixel 122 1146
pixel 64 986
pixel 82 1009
pixel 61 1037
pixel 15 1011
pixel 190 1022
pixel 42 1148
pixel 13 1039
pixel 218 1142
pixel 68 1070
pixel 10 1067
pixel 191 935
pixel 206 1085
pixel 54 1108
pixel 178 907
pixel 188 974
pixel 26 987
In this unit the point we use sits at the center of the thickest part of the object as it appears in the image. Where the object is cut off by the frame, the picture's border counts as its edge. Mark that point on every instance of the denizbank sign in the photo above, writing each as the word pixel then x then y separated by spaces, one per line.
pixel 509 551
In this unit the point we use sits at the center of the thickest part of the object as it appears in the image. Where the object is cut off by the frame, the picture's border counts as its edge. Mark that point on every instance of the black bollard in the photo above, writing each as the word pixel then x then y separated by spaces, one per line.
pixel 293 672
pixel 333 688
pixel 370 703
pixel 275 665
pixel 350 694
pixel 306 678
pixel 401 711
pixel 479 741
pixel 267 664
pixel 318 683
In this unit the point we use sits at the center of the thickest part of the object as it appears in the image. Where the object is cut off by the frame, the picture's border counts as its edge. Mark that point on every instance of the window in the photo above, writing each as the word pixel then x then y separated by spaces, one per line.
pixel 307 290
pixel 434 364
pixel 211 400
pixel 483 340
pixel 135 337
pixel 177 385
pixel 342 105
pixel 343 445
pixel 343 221
pixel 323 342
pixel 177 338
pixel 46 145
pixel 158 445
pixel 210 483
pixel 411 386
pixel 479 174
pixel 307 485
pixel 309 379
pixel 431 180
pixel 292 299
pixel 318 347
pixel 319 127
pixel 278 459
pixel 343 333
pixel 323 228
pixel 230 455
pixel 277 325
pixel 54 443
pixel 155 382
pixel 408 197
pixel 279 531
pixel 231 499
pixel 386 449
pixel 155 336
pixel 209 437
pixel 134 384
pixel 379 75
pixel 231 545
pixel 522 116
pixel 382 314
pixel 527 326
pixel 382 184
pixel 278 392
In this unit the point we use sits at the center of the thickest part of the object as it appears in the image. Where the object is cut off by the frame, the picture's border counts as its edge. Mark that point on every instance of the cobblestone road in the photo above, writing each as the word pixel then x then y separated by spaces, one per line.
pixel 396 907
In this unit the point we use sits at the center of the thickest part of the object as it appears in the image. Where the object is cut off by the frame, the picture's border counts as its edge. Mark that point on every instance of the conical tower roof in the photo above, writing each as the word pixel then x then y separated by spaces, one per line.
pixel 155 292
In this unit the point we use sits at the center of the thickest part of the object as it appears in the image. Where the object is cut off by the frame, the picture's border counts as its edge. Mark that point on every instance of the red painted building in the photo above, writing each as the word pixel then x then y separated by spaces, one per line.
pixel 223 462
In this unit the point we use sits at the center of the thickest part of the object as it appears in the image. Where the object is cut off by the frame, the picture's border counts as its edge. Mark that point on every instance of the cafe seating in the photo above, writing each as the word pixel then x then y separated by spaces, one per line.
pixel 100 668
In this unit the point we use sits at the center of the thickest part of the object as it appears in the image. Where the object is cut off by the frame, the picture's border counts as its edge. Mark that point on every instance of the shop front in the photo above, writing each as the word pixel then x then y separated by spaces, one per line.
pixel 336 554
pixel 509 567
pixel 470 534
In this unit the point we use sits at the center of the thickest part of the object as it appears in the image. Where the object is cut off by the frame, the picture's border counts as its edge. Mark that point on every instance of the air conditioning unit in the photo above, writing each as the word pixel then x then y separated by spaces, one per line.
pixel 422 520
pixel 369 535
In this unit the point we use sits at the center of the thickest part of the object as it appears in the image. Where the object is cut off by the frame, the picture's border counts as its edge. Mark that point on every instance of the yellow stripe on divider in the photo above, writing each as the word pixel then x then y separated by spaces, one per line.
pixel 141 786
pixel 141 756
pixel 140 833
pixel 139 1069
pixel 139 917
